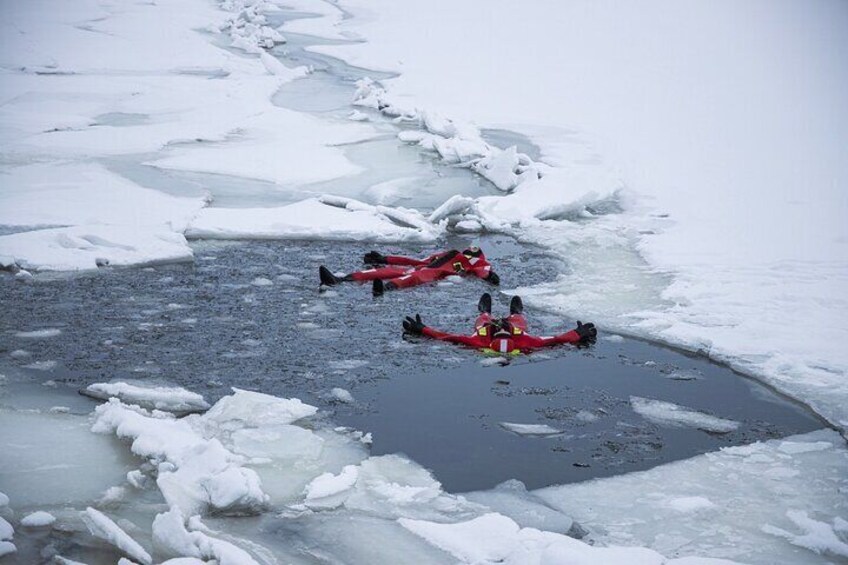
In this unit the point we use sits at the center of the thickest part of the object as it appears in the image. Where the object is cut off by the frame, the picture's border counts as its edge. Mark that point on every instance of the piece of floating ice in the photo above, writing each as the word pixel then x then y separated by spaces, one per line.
pixel 683 376
pixel 39 334
pixel 38 519
pixel 170 399
pixel 341 395
pixel 41 365
pixel 103 527
pixel 530 430
pixel 262 281
pixel 669 414
pixel 20 354
pixel 357 116
pixel 7 547
pixel 347 364
pixel 613 338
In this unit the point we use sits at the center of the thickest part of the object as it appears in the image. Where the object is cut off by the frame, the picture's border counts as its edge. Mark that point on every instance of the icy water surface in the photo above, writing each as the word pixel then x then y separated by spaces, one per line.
pixel 250 315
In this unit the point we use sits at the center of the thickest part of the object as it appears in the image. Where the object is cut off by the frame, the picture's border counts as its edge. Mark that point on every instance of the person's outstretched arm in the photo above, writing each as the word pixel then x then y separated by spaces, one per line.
pixel 583 333
pixel 416 327
pixel 486 273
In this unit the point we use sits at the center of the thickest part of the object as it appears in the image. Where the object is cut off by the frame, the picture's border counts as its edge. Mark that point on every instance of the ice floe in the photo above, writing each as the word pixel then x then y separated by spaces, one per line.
pixel 669 414
pixel 530 430
pixel 103 527
pixel 39 519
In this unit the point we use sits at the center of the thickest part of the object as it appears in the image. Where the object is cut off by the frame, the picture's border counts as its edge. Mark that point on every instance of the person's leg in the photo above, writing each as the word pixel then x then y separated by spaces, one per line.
pixel 485 303
pixel 381 273
pixel 482 320
pixel 518 321
pixel 414 278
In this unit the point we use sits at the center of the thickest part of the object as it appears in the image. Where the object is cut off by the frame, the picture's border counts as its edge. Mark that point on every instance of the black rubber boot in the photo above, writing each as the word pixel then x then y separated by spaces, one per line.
pixel 516 306
pixel 327 278
pixel 485 303
pixel 378 287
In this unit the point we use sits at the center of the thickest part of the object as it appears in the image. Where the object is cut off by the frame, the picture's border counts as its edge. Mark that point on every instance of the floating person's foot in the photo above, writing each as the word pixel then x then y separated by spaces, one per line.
pixel 485 303
pixel 327 278
pixel 516 306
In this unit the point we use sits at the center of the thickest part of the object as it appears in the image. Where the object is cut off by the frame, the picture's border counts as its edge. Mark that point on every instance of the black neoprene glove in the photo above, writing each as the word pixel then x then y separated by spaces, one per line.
pixel 493 278
pixel 374 258
pixel 414 325
pixel 587 332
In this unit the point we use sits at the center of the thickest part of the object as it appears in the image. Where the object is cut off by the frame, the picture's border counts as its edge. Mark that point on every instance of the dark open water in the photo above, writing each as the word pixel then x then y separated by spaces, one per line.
pixel 250 315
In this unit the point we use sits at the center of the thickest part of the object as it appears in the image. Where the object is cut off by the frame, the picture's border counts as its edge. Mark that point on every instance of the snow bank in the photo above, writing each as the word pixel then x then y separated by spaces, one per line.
pixel 746 503
pixel 169 399
pixel 669 414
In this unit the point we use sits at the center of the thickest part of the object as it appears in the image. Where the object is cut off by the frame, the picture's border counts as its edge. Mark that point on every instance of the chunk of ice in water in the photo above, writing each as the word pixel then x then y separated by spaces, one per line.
pixel 342 395
pixel 39 334
pixel 669 414
pixel 167 398
pixel 38 519
pixel 530 430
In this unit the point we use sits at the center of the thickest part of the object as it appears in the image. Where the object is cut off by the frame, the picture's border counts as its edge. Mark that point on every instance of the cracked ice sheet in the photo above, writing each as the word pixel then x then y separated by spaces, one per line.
pixel 719 504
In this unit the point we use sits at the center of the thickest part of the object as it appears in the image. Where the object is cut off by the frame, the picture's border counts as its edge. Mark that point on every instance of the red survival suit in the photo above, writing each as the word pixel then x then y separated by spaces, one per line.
pixel 493 336
pixel 404 272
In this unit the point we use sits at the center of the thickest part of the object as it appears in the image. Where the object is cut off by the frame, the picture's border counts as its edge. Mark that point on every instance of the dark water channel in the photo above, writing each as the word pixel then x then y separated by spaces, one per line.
pixel 250 315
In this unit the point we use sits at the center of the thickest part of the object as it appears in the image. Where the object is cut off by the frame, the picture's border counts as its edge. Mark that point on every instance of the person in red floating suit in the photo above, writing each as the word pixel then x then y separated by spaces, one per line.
pixel 503 336
pixel 392 272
